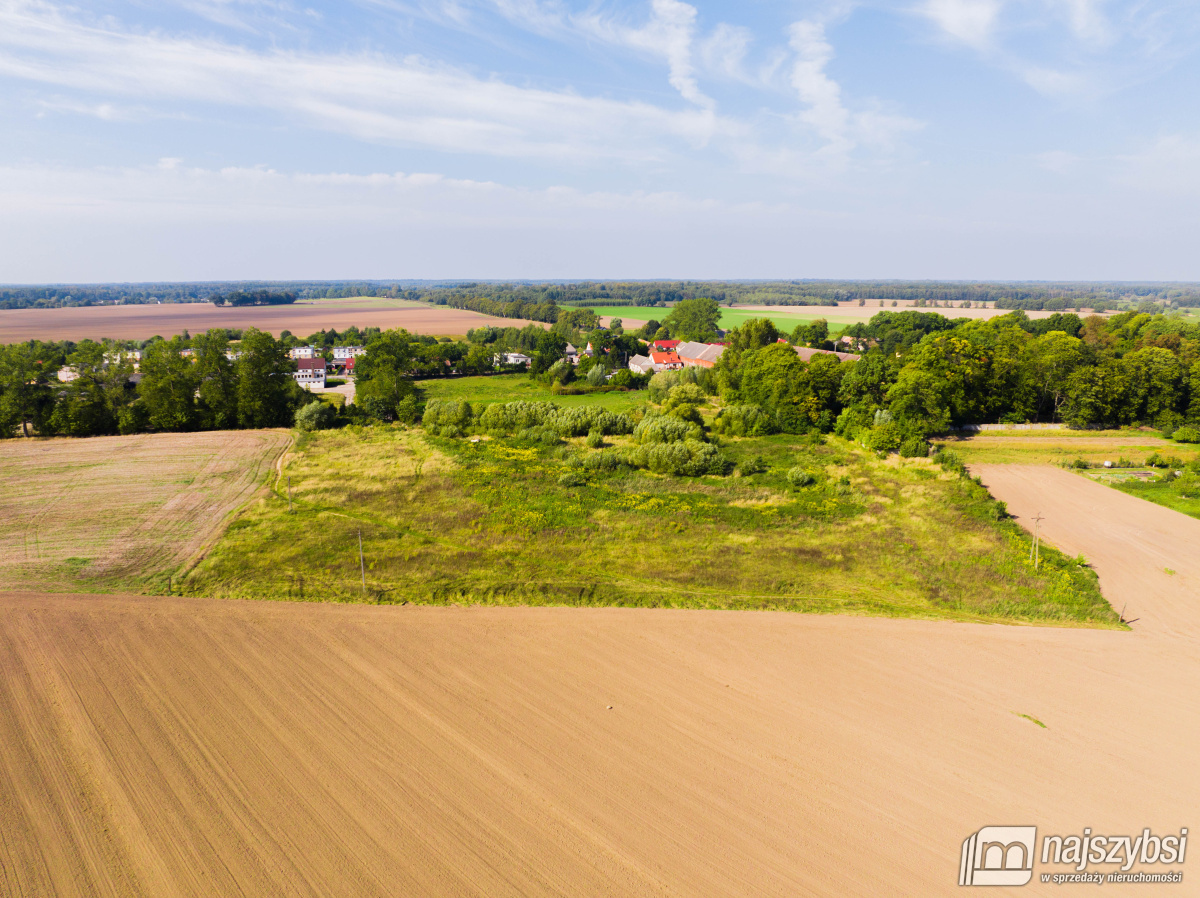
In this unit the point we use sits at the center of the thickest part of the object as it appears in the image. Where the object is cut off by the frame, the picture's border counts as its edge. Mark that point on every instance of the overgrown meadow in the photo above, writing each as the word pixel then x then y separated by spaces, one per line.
pixel 495 520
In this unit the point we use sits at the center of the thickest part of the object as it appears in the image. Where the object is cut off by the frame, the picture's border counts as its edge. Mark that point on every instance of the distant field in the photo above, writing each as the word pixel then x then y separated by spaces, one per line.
pixel 511 387
pixel 1053 447
pixel 140 322
pixel 121 512
pixel 447 520
pixel 636 316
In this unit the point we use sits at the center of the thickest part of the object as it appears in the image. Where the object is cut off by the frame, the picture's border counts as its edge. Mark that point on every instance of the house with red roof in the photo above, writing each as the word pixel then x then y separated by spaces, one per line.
pixel 665 361
pixel 664 345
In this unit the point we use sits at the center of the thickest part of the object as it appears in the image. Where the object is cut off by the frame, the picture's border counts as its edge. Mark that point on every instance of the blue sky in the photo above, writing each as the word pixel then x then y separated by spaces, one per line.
pixel 227 139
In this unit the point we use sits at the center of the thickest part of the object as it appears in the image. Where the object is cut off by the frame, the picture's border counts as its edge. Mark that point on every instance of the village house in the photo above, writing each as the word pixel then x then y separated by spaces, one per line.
pixel 572 354
pixel 665 361
pixel 345 353
pixel 310 372
pixel 664 345
pixel 512 358
pixel 303 352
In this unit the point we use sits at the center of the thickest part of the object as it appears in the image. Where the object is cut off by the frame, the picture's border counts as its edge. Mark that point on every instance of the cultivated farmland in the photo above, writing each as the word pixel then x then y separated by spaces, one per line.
pixel 140 322
pixel 121 511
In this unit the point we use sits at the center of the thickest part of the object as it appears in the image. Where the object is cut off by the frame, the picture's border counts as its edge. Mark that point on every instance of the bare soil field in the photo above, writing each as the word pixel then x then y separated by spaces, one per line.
pixel 140 322
pixel 171 747
pixel 107 509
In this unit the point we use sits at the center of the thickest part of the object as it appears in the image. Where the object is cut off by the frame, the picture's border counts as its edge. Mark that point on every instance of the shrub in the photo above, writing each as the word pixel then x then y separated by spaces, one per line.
pixel 596 377
pixel 684 458
pixel 543 435
pixel 1189 433
pixel 1080 464
pixel 756 465
pixel 449 430
pixel 316 416
pixel 571 479
pixel 744 421
pixel 442 413
pixel 799 477
pixel 914 448
pixel 409 410
pixel 595 439
pixel 665 429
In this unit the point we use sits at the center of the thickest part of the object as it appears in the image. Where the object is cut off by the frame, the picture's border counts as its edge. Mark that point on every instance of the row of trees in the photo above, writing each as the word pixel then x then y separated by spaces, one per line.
pixel 923 373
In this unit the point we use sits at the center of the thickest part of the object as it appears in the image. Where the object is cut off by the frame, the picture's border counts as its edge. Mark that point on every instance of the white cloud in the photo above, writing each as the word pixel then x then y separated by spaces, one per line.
pixel 404 102
pixel 820 93
pixel 970 21
pixel 669 33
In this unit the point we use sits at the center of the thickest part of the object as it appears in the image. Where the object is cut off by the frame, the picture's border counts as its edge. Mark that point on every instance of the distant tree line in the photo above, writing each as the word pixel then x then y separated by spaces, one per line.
pixel 536 301
pixel 254 298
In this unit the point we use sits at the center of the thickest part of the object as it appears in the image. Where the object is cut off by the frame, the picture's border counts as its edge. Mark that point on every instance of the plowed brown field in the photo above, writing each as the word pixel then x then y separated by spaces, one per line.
pixel 157 746
pixel 109 508
pixel 140 322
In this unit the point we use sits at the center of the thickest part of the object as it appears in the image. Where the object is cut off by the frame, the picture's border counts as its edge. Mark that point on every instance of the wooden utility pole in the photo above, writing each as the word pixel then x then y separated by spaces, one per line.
pixel 361 564
pixel 1036 549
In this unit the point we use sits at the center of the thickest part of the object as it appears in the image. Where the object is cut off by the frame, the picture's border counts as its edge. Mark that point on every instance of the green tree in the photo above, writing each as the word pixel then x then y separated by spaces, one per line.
pixel 381 377
pixel 1155 384
pixel 694 319
pixel 26 396
pixel 93 403
pixel 168 387
pixel 216 379
pixel 1048 363
pixel 267 394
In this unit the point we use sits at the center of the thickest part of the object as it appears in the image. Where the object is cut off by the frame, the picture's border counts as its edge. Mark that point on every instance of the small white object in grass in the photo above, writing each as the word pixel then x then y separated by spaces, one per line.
pixel 610 707
pixel 1108 464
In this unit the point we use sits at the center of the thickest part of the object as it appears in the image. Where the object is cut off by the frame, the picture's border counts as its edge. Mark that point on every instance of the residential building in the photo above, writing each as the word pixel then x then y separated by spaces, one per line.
pixel 664 345
pixel 512 358
pixel 303 352
pixel 344 353
pixel 665 361
pixel 310 372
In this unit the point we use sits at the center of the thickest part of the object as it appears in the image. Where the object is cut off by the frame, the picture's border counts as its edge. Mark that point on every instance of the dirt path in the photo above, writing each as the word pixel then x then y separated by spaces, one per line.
pixel 1147 556
pixel 170 747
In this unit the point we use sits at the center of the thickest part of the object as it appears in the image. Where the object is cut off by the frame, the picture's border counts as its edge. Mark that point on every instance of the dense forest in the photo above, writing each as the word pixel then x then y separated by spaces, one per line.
pixel 538 300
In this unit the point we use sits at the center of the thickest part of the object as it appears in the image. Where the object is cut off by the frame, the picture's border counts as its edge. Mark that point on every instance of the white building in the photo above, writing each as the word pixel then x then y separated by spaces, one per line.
pixel 303 352
pixel 640 364
pixel 512 358
pixel 310 372
pixel 342 353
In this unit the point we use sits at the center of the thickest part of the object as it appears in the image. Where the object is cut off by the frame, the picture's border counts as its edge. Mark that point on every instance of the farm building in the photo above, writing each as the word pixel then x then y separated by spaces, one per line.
pixel 641 364
pixel 806 353
pixel 699 355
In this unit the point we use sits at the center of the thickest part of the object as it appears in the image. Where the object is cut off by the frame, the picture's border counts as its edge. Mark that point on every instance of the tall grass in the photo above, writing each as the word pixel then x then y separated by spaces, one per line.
pixel 497 521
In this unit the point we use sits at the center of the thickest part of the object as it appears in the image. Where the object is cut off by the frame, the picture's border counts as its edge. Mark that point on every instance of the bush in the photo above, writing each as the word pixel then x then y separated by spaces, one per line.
pixel 571 479
pixel 316 416
pixel 1189 433
pixel 744 421
pixel 799 477
pixel 542 435
pixel 663 429
pixel 1080 464
pixel 914 448
pixel 756 465
pixel 449 430
pixel 595 439
pixel 596 377
pixel 686 458
pixel 448 413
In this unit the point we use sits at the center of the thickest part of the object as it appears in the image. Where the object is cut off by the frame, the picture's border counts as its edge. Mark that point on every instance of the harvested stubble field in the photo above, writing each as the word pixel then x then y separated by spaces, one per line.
pixel 140 322
pixel 121 512
pixel 447 520
pixel 1061 447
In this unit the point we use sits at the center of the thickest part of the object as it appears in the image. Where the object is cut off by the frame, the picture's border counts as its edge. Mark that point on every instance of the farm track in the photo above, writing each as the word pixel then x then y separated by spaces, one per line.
pixel 172 747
